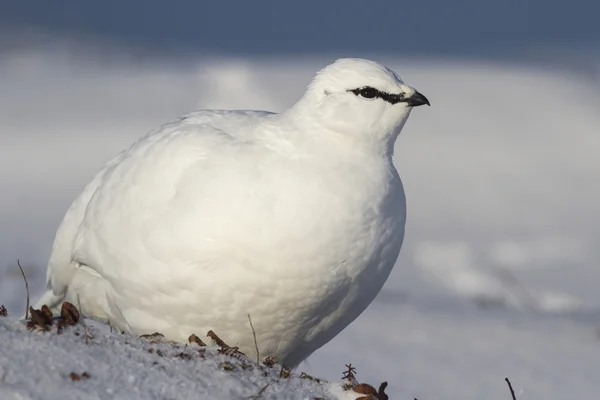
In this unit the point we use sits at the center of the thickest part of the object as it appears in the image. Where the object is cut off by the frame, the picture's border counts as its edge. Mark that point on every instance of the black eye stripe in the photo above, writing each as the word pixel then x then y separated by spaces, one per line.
pixel 370 93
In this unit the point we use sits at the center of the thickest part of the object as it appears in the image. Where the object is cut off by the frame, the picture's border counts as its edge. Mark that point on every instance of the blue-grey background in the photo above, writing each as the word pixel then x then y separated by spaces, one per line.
pixel 460 28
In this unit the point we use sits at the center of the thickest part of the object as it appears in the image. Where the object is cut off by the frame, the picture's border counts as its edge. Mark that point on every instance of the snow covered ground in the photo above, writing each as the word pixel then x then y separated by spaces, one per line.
pixel 96 363
pixel 501 263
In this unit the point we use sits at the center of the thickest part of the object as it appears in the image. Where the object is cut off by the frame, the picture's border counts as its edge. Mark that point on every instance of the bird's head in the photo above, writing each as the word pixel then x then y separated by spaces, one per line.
pixel 360 98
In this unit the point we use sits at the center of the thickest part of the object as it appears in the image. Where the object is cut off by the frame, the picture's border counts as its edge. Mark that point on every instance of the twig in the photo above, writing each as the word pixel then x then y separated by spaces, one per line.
pixel 85 331
pixel 381 392
pixel 259 394
pixel 512 392
pixel 217 339
pixel 26 289
pixel 350 373
pixel 255 342
pixel 264 388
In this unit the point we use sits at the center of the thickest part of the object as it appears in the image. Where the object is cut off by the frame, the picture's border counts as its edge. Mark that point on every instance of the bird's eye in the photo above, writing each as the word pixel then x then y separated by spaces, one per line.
pixel 366 92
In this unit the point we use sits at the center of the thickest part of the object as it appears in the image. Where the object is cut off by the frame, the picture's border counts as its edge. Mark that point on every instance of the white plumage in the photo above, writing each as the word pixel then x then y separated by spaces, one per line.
pixel 294 218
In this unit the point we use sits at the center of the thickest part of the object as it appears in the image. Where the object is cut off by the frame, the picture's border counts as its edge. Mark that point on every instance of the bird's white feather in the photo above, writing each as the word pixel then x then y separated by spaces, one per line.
pixel 295 219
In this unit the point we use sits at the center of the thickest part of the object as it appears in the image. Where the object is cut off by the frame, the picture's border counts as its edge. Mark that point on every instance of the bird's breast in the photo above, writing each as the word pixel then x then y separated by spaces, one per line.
pixel 329 215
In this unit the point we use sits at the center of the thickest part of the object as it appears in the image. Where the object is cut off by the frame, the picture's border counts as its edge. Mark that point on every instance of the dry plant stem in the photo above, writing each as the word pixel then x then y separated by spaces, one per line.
pixel 85 332
pixel 195 339
pixel 255 342
pixel 512 392
pixel 263 390
pixel 259 394
pixel 350 373
pixel 26 289
pixel 217 339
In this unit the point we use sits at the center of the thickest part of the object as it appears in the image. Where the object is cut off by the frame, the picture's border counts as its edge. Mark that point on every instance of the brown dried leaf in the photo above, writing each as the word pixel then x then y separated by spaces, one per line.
pixel 76 377
pixel 285 372
pixel 47 313
pixel 195 339
pixel 39 320
pixel 365 388
pixel 226 366
pixel 217 339
pixel 69 314
pixel 269 362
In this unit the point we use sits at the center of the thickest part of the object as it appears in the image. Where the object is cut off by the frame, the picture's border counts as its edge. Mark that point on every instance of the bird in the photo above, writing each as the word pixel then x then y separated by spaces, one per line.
pixel 292 220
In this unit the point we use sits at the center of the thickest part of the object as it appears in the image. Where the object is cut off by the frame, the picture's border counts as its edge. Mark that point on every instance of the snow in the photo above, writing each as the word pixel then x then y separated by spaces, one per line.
pixel 498 274
pixel 122 367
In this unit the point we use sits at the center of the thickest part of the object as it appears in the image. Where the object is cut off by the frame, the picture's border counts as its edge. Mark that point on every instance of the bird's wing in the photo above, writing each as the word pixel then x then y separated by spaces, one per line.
pixel 115 217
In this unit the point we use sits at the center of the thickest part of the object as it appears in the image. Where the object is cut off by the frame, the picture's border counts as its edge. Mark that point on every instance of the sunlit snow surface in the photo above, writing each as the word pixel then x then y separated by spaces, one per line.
pixel 500 268
pixel 109 365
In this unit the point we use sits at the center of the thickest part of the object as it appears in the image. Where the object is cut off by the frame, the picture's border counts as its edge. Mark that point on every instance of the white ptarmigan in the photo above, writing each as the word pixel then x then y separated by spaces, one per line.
pixel 295 219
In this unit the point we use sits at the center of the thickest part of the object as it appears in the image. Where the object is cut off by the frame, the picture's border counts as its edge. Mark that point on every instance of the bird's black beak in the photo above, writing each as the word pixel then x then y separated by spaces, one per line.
pixel 417 99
